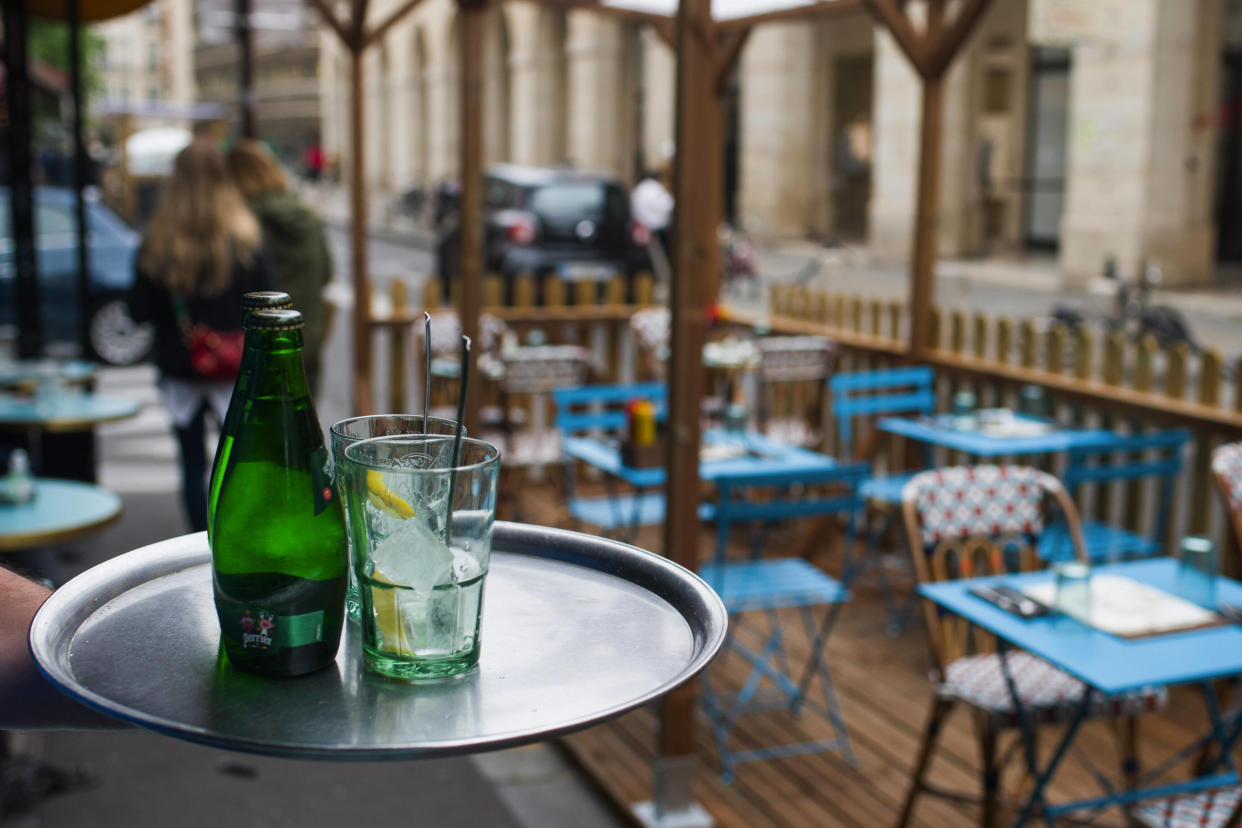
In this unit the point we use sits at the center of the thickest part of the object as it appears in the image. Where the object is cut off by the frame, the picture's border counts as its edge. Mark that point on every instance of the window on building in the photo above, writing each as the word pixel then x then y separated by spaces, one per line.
pixel 996 86
pixel 153 93
pixel 153 56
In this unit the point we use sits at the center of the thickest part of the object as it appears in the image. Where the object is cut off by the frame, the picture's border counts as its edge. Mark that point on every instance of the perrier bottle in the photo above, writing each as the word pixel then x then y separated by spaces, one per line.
pixel 252 301
pixel 277 531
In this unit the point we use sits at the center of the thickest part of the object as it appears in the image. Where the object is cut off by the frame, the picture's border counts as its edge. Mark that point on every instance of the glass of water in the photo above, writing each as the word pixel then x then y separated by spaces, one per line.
pixel 421 530
pixel 349 431
pixel 1073 595
pixel 1197 571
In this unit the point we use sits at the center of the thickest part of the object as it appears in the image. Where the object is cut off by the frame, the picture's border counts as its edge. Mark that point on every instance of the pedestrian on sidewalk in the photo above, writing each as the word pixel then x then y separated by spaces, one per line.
pixel 651 205
pixel 201 251
pixel 295 241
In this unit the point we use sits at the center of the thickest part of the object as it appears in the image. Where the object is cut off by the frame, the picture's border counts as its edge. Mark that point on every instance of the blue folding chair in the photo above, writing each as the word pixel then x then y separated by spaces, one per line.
pixel 1156 456
pixel 870 395
pixel 585 413
pixel 756 583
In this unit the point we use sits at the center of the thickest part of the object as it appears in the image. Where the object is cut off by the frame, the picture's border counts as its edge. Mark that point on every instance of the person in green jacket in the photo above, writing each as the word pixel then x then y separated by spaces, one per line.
pixel 294 239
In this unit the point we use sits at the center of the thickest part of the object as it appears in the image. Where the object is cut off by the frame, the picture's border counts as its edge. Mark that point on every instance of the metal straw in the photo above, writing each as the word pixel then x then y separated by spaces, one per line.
pixel 455 460
pixel 426 371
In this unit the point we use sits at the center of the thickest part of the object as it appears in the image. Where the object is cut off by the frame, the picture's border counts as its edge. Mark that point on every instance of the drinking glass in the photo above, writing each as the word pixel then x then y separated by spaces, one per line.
pixel 964 416
pixel 349 431
pixel 1073 596
pixel 421 529
pixel 1197 571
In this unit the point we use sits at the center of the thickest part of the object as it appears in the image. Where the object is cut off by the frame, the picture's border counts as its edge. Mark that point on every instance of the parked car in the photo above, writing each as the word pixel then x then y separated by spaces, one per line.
pixel 114 337
pixel 554 220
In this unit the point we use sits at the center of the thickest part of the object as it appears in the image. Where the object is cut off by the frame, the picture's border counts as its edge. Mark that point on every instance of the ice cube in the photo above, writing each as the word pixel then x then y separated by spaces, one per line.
pixel 413 556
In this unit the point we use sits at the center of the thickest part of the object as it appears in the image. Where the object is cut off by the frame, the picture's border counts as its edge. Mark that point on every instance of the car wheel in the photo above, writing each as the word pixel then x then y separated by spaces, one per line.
pixel 115 338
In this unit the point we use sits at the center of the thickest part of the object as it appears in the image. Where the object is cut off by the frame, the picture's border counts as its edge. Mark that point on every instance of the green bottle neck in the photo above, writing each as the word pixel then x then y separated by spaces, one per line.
pixel 273 359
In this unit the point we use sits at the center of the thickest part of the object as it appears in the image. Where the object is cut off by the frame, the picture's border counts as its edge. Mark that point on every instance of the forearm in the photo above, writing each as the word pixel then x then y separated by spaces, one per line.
pixel 27 700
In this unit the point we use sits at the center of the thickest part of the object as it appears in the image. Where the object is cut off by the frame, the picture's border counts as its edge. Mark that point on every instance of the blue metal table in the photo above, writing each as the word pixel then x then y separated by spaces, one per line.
pixel 938 430
pixel 27 373
pixel 61 511
pixel 1108 664
pixel 757 453
pixel 761 454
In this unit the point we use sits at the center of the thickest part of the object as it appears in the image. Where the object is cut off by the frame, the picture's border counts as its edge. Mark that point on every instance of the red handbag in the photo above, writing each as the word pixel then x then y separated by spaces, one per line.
pixel 214 354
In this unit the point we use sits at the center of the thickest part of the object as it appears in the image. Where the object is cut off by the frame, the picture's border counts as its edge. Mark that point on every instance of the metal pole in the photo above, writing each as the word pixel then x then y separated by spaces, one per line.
pixel 21 185
pixel 80 167
pixel 245 76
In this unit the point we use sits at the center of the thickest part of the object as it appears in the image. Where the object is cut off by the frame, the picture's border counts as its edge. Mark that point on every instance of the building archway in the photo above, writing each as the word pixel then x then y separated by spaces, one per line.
pixel 420 111
pixel 553 71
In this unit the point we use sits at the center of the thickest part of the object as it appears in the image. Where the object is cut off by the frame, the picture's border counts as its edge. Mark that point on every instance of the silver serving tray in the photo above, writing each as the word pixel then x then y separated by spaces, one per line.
pixel 576 629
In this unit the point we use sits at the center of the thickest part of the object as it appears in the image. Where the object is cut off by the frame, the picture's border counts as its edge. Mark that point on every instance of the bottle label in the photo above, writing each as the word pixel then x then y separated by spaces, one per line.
pixel 259 630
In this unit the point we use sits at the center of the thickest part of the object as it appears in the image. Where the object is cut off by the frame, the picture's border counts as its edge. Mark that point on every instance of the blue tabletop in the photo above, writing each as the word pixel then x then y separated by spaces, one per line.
pixel 26 371
pixel 61 509
pixel 1104 661
pixel 938 430
pixel 71 410
pixel 764 454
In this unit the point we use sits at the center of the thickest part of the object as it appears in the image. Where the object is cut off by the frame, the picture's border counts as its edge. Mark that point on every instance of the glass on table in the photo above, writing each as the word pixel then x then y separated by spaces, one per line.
pixel 1033 402
pixel 1073 594
pixel 965 418
pixel 349 431
pixel 1197 571
pixel 421 532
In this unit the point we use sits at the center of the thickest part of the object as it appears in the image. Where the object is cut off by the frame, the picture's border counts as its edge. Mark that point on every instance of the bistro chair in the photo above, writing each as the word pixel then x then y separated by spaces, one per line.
pixel 1133 459
pixel 1219 808
pixel 752 584
pixel 584 415
pixel 793 374
pixel 650 329
pixel 969 521
pixel 1227 470
pixel 858 400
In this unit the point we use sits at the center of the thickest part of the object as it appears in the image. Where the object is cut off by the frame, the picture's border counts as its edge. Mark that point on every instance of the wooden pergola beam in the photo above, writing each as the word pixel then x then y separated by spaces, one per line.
pixel 377 34
pixel 471 204
pixel 330 18
pixel 890 14
pixel 731 45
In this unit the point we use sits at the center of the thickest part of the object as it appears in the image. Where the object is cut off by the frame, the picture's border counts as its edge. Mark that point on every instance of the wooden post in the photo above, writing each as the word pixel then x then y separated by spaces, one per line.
pixel 471 257
pixel 695 273
pixel 923 257
pixel 358 236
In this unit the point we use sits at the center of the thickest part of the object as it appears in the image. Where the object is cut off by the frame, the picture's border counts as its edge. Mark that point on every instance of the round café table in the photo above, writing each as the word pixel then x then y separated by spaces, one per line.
pixel 58 429
pixel 69 411
pixel 25 374
pixel 61 511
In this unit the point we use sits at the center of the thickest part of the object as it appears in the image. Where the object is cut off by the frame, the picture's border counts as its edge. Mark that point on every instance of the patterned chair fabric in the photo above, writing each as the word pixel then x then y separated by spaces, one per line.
pixel 651 328
pixel 1049 696
pixel 794 358
pixel 1227 466
pixel 993 501
pixel 446 333
pixel 1209 809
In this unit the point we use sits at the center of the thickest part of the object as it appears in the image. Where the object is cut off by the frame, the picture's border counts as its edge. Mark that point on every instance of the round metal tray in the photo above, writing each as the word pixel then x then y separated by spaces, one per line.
pixel 576 629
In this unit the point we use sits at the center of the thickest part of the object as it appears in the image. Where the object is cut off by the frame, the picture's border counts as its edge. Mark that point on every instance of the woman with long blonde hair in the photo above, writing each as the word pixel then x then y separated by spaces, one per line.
pixel 201 251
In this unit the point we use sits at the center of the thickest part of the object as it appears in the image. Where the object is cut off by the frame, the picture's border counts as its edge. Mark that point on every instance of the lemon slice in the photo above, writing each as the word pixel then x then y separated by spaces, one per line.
pixel 387 614
pixel 385 498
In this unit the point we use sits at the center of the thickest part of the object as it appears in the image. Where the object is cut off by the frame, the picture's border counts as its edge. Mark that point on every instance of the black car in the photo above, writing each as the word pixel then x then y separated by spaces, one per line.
pixel 553 220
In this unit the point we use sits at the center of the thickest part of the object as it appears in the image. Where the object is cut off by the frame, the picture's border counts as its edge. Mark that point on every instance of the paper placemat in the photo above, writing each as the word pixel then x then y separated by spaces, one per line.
pixel 1124 607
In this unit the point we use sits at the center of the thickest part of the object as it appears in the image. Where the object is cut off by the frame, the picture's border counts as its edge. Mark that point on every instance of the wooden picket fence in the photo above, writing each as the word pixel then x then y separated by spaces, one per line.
pixel 1092 380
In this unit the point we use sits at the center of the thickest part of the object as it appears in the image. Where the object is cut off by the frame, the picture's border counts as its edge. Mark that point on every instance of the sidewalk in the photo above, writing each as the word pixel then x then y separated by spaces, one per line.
pixel 141 778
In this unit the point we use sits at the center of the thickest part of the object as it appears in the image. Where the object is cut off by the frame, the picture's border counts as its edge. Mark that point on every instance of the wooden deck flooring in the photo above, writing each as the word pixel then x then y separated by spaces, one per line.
pixel 882 682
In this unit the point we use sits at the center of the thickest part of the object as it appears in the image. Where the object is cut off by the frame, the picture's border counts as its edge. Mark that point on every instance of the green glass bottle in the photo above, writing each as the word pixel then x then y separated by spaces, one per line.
pixel 255 300
pixel 277 531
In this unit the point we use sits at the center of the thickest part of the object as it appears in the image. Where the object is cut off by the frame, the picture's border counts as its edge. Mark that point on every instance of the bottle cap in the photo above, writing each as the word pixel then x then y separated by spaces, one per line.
pixel 258 299
pixel 267 319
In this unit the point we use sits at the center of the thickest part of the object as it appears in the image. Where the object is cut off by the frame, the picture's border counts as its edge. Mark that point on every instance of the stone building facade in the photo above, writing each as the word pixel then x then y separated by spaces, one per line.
pixel 147 55
pixel 1104 129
